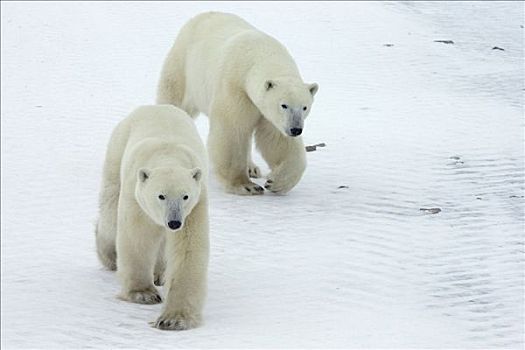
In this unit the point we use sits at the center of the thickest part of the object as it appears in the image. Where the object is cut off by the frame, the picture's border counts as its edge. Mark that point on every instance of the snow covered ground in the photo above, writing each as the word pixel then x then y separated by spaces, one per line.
pixel 414 124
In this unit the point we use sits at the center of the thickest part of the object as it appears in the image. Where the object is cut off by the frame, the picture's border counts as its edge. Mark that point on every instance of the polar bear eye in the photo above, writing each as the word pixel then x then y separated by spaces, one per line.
pixel 304 108
pixel 185 197
pixel 161 197
pixel 284 106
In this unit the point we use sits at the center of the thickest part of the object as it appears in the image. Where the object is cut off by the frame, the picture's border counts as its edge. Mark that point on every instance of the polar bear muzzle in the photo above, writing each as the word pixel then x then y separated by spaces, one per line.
pixel 174 215
pixel 295 121
pixel 174 224
pixel 295 131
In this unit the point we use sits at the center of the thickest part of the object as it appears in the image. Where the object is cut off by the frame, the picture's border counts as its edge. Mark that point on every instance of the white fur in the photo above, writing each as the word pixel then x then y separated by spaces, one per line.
pixel 157 151
pixel 240 77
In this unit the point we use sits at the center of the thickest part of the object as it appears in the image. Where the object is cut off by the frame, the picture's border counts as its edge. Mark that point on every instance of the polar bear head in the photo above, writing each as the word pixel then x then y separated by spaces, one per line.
pixel 286 103
pixel 168 195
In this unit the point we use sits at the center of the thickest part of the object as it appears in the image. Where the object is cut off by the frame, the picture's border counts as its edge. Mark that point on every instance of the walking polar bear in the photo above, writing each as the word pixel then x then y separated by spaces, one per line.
pixel 154 212
pixel 246 82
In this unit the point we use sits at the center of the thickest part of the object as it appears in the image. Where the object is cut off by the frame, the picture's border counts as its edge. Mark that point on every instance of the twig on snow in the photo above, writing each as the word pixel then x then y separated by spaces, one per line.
pixel 430 210
pixel 450 42
pixel 314 147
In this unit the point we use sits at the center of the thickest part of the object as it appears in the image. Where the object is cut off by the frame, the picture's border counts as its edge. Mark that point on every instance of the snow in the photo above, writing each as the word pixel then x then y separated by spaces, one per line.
pixel 419 124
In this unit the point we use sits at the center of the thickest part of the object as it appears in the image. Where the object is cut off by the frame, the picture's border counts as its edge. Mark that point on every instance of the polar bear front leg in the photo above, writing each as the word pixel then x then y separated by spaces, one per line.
pixel 285 155
pixel 229 145
pixel 137 248
pixel 187 264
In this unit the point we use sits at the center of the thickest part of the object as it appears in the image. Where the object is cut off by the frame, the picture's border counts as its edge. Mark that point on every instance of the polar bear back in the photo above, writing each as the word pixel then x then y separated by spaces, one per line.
pixel 220 48
pixel 153 133
pixel 163 122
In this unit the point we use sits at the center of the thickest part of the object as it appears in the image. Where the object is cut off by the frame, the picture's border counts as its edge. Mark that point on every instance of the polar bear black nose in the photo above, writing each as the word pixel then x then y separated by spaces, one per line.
pixel 296 131
pixel 174 224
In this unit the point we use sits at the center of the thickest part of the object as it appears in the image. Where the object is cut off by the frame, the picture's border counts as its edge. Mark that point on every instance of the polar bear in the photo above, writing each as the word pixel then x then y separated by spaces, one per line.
pixel 248 84
pixel 154 212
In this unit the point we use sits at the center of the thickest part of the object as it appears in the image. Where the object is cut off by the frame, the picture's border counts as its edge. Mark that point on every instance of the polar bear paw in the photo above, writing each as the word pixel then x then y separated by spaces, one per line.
pixel 278 186
pixel 254 171
pixel 248 189
pixel 142 297
pixel 177 321
pixel 158 279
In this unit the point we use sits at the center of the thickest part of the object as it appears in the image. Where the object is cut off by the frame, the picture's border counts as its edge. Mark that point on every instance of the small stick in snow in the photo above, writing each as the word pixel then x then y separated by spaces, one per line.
pixel 498 48
pixel 314 147
pixel 343 186
pixel 388 45
pixel 450 42
pixel 430 210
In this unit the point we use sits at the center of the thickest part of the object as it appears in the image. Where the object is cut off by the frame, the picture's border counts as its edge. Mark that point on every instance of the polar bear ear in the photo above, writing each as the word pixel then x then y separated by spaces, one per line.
pixel 196 173
pixel 143 174
pixel 269 85
pixel 313 88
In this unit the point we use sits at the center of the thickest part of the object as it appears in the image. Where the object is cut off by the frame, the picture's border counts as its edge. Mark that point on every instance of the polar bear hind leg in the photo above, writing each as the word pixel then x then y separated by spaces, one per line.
pixel 172 84
pixel 253 170
pixel 160 265
pixel 106 227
